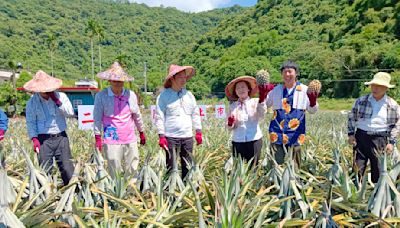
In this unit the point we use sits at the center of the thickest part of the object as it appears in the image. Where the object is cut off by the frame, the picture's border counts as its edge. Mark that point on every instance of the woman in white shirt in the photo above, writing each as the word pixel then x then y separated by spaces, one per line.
pixel 244 116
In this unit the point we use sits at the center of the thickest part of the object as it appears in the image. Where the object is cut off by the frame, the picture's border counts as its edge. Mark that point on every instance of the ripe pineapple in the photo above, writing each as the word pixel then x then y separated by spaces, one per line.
pixel 262 77
pixel 314 86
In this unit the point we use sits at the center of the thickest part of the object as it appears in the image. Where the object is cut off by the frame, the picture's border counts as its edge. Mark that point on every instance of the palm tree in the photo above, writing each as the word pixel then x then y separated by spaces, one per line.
pixel 123 59
pixel 51 44
pixel 100 37
pixel 91 28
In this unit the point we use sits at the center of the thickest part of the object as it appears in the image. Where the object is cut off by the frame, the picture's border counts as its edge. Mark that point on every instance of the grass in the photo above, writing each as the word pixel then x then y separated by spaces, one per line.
pixel 335 104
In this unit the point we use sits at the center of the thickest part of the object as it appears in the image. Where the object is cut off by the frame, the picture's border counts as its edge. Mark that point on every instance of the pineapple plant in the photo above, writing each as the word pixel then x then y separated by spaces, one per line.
pixel 7 196
pixel 262 77
pixel 148 179
pixel 314 86
pixel 241 196
pixel 385 200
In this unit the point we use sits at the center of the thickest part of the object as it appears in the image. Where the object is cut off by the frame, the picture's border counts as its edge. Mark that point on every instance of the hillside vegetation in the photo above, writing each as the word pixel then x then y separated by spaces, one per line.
pixel 331 40
pixel 340 42
pixel 33 32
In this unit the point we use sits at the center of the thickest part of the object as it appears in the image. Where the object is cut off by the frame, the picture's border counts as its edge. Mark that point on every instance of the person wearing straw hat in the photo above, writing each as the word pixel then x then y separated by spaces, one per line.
pixel 373 125
pixel 244 115
pixel 176 116
pixel 3 124
pixel 289 102
pixel 46 113
pixel 117 113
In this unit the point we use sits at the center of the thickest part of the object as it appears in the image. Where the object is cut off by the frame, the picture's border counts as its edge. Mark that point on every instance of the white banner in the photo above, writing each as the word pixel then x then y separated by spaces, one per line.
pixel 85 117
pixel 203 112
pixel 220 111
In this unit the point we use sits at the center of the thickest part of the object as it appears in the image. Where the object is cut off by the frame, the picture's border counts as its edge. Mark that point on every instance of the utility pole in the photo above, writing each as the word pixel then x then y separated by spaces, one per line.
pixel 145 78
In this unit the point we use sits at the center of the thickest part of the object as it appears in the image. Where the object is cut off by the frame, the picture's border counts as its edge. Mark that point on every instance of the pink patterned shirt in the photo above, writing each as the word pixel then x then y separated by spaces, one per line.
pixel 119 128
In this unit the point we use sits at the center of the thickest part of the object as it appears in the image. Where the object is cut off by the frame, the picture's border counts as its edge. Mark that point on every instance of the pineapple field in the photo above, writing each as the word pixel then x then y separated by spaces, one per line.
pixel 219 191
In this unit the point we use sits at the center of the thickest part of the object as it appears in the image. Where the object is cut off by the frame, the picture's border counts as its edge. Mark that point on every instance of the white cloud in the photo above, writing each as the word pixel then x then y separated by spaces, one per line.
pixel 186 5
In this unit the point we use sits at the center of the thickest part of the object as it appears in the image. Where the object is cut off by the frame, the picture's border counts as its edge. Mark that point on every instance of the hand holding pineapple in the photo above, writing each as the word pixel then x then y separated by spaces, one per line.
pixel 312 92
pixel 263 84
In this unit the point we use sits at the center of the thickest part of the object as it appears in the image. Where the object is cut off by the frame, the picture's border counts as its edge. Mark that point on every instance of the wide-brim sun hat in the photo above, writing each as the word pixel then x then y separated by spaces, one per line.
pixel 115 73
pixel 230 88
pixel 381 78
pixel 42 83
pixel 175 69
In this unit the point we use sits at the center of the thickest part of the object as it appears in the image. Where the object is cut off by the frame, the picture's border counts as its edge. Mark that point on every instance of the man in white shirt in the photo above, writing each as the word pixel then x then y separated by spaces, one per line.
pixel 46 113
pixel 176 116
pixel 373 125
pixel 290 102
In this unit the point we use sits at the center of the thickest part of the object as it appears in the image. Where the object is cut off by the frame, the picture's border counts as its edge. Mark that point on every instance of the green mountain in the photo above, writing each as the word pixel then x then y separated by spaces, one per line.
pixel 335 41
pixel 34 32
pixel 340 42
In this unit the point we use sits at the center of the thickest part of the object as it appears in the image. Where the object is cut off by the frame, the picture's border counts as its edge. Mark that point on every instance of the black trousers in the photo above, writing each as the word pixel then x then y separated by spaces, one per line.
pixel 183 147
pixel 279 152
pixel 248 150
pixel 364 151
pixel 57 147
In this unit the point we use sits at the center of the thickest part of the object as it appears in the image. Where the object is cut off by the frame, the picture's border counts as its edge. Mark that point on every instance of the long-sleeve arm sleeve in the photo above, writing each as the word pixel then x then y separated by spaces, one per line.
pixel 98 114
pixel 160 116
pixel 196 120
pixel 3 121
pixel 137 117
pixel 31 120
pixel 314 109
pixel 351 123
pixel 66 106
pixel 269 100
pixel 261 107
pixel 394 133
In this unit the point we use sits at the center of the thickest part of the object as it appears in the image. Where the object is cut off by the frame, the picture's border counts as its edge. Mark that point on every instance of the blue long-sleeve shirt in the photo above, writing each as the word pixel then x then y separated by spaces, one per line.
pixel 44 117
pixel 3 121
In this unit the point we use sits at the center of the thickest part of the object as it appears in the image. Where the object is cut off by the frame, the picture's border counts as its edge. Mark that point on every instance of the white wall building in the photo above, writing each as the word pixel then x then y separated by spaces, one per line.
pixel 5 75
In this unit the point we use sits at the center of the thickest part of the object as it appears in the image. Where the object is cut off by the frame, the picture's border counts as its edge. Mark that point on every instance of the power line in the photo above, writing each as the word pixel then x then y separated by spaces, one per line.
pixel 361 70
pixel 341 80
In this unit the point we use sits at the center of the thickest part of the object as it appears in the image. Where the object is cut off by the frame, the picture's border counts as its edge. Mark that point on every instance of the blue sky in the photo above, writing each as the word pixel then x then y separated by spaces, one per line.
pixel 197 5
pixel 241 2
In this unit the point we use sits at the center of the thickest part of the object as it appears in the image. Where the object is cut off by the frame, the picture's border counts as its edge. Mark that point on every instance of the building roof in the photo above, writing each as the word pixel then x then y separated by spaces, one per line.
pixel 6 75
pixel 79 89
pixel 86 83
pixel 72 89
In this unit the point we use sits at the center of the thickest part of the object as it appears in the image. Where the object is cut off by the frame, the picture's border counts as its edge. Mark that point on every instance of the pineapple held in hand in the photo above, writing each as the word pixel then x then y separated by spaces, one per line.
pixel 262 77
pixel 314 87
